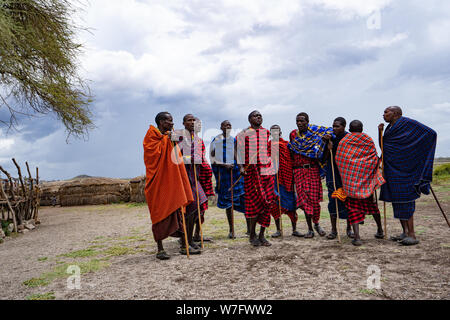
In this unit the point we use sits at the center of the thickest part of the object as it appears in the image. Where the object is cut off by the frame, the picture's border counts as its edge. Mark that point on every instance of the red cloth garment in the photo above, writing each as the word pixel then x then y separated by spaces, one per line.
pixel 359 208
pixel 285 172
pixel 291 214
pixel 259 181
pixel 167 185
pixel 358 165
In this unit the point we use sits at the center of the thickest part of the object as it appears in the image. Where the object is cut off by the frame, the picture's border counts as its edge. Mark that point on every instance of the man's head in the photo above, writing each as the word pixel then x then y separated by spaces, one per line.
pixel 189 122
pixel 255 119
pixel 302 121
pixel 275 131
pixel 339 126
pixel 164 121
pixel 392 114
pixel 197 125
pixel 225 126
pixel 356 126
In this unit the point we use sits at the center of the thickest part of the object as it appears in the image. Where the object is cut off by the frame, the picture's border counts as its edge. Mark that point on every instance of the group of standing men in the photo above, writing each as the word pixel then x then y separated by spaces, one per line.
pixel 262 175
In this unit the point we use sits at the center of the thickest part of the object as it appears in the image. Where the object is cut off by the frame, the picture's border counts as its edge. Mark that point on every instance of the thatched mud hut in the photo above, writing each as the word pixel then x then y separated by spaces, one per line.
pixel 137 186
pixel 90 191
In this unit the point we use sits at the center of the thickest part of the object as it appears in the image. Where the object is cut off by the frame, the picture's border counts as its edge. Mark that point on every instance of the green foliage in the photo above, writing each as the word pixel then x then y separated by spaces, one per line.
pixel 45 296
pixel 38 63
pixel 442 170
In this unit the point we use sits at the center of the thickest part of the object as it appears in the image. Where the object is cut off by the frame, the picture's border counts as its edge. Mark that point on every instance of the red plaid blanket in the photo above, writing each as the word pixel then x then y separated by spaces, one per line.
pixel 285 172
pixel 358 164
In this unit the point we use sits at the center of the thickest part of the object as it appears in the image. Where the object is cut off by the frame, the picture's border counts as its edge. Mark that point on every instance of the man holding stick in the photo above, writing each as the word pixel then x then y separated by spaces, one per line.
pixel 408 151
pixel 255 164
pixel 307 145
pixel 167 186
pixel 334 178
pixel 284 182
pixel 226 172
pixel 358 164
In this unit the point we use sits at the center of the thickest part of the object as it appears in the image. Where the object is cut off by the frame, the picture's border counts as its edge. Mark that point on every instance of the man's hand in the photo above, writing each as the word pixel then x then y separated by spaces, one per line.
pixel 228 166
pixel 327 137
pixel 330 145
pixel 242 170
pixel 381 127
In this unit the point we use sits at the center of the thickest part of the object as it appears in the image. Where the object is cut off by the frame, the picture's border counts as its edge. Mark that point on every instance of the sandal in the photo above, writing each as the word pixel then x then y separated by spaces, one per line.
pixel 255 242
pixel 408 241
pixel 357 242
pixel 399 237
pixel 162 255
pixel 191 251
pixel 379 235
pixel 332 236
pixel 205 239
pixel 319 230
pixel 350 234
pixel 264 242
pixel 276 234
pixel 309 235
pixel 297 234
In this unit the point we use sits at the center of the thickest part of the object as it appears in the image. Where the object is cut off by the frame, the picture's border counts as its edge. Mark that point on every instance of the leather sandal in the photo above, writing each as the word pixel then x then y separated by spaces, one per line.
pixel 332 235
pixel 162 255
pixel 309 235
pixel 319 230
pixel 264 242
pixel 276 234
pixel 297 234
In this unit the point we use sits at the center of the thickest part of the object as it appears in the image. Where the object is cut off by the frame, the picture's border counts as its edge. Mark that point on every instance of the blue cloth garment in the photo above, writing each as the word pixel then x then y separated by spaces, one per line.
pixel 409 149
pixel 224 153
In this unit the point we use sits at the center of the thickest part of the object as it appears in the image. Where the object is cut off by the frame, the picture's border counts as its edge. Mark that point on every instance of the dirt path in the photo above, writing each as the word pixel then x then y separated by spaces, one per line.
pixel 115 250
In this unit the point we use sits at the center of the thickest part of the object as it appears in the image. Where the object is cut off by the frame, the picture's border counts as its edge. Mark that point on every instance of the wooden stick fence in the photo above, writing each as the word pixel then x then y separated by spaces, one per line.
pixel 19 198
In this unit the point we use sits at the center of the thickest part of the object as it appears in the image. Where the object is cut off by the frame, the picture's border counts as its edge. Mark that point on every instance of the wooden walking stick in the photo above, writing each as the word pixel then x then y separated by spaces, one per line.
pixel 183 209
pixel 279 198
pixel 232 204
pixel 183 213
pixel 384 202
pixel 439 205
pixel 198 205
pixel 336 200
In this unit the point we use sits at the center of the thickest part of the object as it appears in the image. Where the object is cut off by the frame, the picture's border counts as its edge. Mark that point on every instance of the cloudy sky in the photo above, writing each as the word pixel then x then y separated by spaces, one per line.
pixel 222 59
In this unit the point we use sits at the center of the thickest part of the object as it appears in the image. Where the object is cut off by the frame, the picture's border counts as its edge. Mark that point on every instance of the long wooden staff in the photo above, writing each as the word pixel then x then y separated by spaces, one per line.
pixel 279 199
pixel 435 198
pixel 337 207
pixel 245 169
pixel 232 204
pixel 198 198
pixel 183 209
pixel 384 202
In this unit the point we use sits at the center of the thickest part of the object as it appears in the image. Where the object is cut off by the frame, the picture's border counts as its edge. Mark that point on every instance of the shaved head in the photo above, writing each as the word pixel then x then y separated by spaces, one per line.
pixel 397 110
pixel 356 126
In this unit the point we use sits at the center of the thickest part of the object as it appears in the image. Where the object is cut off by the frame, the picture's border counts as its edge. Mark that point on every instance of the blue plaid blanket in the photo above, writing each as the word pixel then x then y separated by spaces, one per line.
pixel 310 144
pixel 409 148
pixel 224 153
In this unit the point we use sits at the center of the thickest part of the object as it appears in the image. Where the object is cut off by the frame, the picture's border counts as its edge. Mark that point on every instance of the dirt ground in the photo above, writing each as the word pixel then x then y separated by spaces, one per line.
pixel 113 246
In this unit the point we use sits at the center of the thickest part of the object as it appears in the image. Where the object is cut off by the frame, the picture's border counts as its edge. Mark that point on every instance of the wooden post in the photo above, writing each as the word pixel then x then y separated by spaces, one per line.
pixel 29 213
pixel 9 206
pixel 38 197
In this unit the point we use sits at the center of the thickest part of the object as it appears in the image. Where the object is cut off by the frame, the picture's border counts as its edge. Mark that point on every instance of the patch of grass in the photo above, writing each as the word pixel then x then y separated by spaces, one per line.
pixel 136 204
pixel 80 253
pixel 136 238
pixel 42 259
pixel 445 245
pixel 119 251
pixel 421 230
pixel 368 291
pixel 60 271
pixel 39 296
